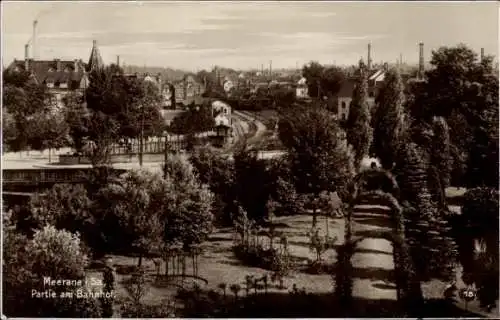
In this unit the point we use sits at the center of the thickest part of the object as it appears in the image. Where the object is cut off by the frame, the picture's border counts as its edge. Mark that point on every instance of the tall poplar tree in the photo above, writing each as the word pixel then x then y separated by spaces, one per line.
pixel 440 161
pixel 390 129
pixel 358 127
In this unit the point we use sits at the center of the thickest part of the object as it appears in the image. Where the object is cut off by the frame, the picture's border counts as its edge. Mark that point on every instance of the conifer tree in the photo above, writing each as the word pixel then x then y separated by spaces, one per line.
pixel 431 248
pixel 390 126
pixel 440 161
pixel 358 127
pixel 411 172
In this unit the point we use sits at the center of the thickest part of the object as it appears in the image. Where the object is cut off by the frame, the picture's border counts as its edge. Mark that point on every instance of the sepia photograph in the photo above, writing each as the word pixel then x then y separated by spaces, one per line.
pixel 250 159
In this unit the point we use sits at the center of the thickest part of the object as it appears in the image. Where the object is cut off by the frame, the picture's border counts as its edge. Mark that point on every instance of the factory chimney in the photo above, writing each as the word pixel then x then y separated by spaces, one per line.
pixel 118 61
pixel 33 40
pixel 482 54
pixel 369 60
pixel 26 56
pixel 421 60
pixel 270 68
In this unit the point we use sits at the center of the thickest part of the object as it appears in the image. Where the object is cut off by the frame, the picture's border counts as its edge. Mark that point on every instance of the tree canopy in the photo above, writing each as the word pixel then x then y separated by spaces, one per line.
pixel 320 157
pixel 321 80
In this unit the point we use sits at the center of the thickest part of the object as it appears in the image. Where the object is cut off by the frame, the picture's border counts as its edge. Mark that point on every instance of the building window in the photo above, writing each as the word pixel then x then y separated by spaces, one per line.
pixel 371 94
pixel 343 105
pixel 344 116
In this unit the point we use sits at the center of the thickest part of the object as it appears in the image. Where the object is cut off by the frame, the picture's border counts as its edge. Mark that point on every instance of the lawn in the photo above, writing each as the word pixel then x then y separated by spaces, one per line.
pixel 218 265
pixel 372 262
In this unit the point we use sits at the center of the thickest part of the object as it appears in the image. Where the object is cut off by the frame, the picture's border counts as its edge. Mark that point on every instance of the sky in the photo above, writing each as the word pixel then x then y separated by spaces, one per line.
pixel 199 35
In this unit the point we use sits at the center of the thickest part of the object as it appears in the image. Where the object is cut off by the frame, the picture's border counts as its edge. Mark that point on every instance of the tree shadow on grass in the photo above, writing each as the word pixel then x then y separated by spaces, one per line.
pixel 363 250
pixel 374 221
pixel 384 286
pixel 219 238
pixel 235 262
pixel 379 234
pixel 372 211
pixel 373 274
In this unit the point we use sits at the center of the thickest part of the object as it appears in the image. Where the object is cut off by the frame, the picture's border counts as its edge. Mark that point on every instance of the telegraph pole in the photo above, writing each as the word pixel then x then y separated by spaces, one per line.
pixel 141 139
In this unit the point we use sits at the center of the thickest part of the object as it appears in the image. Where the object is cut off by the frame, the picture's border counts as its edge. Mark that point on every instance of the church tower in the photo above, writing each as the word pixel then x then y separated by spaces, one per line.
pixel 95 60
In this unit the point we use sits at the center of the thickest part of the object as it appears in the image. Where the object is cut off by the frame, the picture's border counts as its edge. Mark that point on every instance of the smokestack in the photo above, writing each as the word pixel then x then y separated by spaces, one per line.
pixel 58 64
pixel 262 69
pixel 270 68
pixel 33 40
pixel 118 61
pixel 482 54
pixel 421 60
pixel 369 61
pixel 26 56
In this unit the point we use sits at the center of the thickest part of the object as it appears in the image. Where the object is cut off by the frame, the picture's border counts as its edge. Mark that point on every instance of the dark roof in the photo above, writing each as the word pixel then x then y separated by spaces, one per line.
pixel 41 69
pixel 347 88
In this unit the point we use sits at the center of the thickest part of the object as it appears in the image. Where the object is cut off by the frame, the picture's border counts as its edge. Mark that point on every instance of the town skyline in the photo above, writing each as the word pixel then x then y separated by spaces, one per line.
pixel 244 35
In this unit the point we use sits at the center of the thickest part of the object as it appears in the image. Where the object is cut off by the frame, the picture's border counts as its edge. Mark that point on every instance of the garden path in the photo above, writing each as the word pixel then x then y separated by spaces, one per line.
pixel 373 258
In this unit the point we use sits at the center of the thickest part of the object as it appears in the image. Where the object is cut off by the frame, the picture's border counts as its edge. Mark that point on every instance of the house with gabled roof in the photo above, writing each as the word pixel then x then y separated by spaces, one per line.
pixel 60 76
pixel 188 91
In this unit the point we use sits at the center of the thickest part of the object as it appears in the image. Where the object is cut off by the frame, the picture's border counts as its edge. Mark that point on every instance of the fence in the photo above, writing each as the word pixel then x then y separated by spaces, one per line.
pixel 155 144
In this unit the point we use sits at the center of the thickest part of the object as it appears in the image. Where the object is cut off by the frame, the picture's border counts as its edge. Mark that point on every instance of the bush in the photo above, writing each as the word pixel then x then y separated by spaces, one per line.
pixel 256 256
pixel 281 267
pixel 131 310
pixel 476 231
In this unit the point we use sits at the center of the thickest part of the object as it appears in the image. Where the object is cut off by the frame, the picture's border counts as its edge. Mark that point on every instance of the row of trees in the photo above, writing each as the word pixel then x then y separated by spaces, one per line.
pixel 413 137
pixel 418 148
pixel 113 107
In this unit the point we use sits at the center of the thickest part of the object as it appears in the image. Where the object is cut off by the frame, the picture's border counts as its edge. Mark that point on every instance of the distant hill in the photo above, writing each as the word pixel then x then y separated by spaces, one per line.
pixel 168 74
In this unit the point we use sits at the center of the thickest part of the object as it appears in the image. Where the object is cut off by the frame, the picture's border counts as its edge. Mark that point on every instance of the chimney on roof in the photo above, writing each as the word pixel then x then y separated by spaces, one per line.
pixel 421 60
pixel 33 40
pixel 26 57
pixel 369 61
pixel 482 54
pixel 58 64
